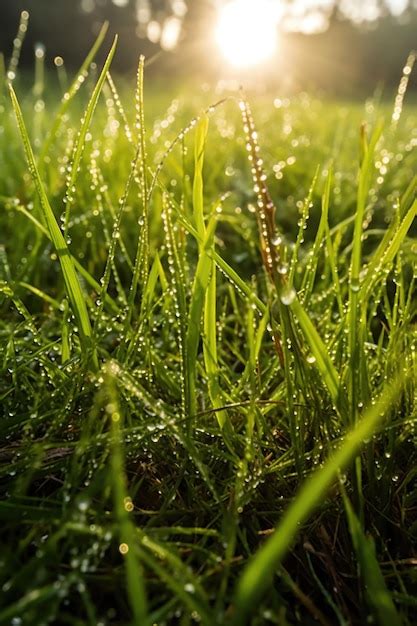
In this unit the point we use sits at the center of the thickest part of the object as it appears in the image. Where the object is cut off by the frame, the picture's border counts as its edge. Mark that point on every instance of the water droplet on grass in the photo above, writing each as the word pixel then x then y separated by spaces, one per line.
pixel 354 285
pixel 288 296
pixel 83 504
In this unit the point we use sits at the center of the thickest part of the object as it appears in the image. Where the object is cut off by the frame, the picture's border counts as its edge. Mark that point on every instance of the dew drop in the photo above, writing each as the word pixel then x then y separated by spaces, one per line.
pixel 288 296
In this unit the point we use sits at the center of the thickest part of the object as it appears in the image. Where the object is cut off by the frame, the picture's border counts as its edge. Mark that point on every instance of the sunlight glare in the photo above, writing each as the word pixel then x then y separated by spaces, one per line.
pixel 247 32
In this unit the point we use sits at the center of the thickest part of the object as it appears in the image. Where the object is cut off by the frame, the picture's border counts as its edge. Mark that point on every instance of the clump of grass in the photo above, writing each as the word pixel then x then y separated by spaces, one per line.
pixel 209 403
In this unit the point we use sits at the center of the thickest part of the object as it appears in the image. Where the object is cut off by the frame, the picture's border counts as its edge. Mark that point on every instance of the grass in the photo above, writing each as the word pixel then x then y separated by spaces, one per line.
pixel 208 371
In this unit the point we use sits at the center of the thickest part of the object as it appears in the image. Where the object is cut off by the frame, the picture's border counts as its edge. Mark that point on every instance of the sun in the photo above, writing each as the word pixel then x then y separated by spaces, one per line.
pixel 247 32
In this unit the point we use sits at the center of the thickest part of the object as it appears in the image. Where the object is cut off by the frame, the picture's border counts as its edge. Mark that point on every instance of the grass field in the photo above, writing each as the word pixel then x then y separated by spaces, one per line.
pixel 208 332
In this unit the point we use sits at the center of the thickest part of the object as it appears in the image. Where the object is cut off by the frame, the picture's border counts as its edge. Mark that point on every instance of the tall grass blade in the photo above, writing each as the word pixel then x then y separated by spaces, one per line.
pixel 386 252
pixel 180 580
pixel 203 271
pixel 311 270
pixel 141 266
pixel 210 348
pixel 72 91
pixel 123 505
pixel 322 358
pixel 354 320
pixel 80 143
pixel 378 596
pixel 72 284
pixel 257 575
pixel 200 286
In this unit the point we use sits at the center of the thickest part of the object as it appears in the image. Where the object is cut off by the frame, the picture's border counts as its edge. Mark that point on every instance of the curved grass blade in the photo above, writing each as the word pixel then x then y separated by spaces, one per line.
pixel 182 581
pixel 386 253
pixel 80 268
pixel 72 284
pixel 378 596
pixel 69 95
pixel 311 270
pixel 258 574
pixel 123 508
pixel 323 361
pixel 33 598
pixel 222 265
pixel 40 294
pixel 164 412
pixel 80 143
pixel 365 176
pixel 303 224
pixel 114 239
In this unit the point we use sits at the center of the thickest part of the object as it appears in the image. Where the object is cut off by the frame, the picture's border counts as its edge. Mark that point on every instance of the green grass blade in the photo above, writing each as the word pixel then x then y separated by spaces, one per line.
pixel 310 274
pixel 323 361
pixel 141 266
pixel 203 271
pixel 210 348
pixel 73 288
pixel 200 286
pixel 90 280
pixel 114 239
pixel 41 294
pixel 123 506
pixel 378 596
pixel 177 273
pixel 302 225
pixel 34 597
pixel 198 200
pixel 223 265
pixel 355 321
pixel 365 177
pixel 162 411
pixel 69 95
pixel 386 252
pixel 65 335
pixel 85 125
pixel 181 582
pixel 257 576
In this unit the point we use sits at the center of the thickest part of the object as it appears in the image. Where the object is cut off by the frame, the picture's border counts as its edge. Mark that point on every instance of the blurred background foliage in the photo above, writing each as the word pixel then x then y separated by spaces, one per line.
pixel 344 46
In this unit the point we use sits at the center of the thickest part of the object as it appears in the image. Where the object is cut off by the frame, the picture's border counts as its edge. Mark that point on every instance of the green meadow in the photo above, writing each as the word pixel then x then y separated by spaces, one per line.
pixel 208 339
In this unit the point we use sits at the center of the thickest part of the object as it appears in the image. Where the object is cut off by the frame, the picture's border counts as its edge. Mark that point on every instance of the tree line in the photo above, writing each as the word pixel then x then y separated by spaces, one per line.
pixel 345 57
